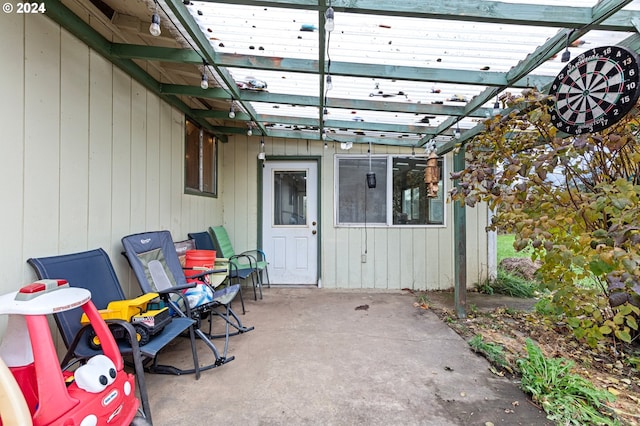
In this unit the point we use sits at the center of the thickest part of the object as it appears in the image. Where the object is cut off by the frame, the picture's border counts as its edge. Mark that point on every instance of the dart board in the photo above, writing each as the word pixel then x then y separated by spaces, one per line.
pixel 595 90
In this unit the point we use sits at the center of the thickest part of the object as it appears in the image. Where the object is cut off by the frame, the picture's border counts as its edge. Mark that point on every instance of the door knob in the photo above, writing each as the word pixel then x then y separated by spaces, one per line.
pixel 313 223
pixel 314 232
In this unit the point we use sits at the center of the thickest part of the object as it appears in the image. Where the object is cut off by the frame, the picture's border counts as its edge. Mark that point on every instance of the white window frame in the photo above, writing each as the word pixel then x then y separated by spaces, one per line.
pixel 389 191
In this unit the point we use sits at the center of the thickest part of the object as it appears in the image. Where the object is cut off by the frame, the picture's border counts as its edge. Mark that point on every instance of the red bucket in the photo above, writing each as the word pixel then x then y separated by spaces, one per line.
pixel 196 261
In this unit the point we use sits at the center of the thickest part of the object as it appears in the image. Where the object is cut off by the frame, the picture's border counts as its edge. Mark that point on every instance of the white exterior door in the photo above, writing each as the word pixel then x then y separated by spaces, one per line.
pixel 290 222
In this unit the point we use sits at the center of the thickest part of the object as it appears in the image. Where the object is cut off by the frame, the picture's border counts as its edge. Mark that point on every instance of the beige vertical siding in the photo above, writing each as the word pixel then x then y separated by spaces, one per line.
pixel 407 257
pixel 88 154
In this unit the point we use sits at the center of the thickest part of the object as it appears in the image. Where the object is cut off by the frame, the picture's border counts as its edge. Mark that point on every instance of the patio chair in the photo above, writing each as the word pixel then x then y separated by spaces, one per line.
pixel 93 271
pixel 202 241
pixel 251 260
pixel 155 263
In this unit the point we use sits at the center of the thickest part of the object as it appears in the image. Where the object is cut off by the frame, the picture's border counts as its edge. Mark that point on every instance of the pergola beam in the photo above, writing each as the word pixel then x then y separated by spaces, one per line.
pixel 465 10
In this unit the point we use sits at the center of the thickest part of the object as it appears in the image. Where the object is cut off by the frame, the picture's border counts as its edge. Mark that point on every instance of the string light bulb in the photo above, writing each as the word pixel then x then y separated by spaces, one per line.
pixel 329 23
pixel 232 111
pixel 329 82
pixel 457 133
pixel 204 83
pixel 496 107
pixel 154 28
pixel 250 131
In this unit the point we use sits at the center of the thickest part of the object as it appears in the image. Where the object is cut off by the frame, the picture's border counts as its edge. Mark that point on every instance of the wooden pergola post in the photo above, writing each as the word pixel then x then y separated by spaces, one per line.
pixel 460 243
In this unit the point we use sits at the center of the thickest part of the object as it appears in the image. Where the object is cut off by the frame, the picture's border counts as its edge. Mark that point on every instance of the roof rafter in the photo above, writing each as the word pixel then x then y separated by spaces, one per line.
pixel 345 103
pixel 352 69
pixel 464 10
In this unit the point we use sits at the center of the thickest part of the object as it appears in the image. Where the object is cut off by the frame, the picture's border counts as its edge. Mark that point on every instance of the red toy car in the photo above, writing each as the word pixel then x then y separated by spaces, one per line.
pixel 97 393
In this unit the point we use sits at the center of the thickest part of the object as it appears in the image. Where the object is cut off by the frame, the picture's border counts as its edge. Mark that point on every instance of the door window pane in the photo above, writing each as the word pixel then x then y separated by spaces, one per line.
pixel 290 198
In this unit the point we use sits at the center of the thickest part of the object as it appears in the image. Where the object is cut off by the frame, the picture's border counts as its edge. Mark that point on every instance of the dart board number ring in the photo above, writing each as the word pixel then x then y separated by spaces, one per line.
pixel 595 90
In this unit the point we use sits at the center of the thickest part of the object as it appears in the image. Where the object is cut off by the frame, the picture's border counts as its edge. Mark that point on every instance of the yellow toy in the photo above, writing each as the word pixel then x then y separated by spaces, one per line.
pixel 146 321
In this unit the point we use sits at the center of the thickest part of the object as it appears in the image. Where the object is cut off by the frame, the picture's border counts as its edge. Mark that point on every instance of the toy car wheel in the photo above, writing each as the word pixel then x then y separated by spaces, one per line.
pixel 94 340
pixel 142 334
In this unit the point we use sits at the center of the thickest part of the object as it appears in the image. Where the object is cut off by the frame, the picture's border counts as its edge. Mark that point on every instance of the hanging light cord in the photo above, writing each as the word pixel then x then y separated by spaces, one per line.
pixel 328 61
pixel 366 207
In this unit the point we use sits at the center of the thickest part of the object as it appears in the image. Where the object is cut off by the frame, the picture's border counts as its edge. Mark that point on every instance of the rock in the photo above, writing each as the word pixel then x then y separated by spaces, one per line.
pixel 521 266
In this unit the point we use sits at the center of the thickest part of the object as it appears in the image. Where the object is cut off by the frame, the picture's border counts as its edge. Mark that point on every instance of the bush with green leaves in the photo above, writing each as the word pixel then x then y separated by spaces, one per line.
pixel 567 398
pixel 573 200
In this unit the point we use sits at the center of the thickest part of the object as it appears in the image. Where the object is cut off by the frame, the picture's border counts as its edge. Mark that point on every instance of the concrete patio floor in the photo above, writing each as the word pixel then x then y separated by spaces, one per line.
pixel 314 359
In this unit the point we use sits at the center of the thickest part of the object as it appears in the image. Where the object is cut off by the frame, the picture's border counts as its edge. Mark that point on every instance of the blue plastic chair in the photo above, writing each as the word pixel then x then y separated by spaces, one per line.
pixel 93 271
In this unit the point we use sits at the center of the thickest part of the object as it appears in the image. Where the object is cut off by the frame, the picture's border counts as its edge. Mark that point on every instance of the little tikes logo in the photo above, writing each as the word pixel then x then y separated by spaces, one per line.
pixel 110 398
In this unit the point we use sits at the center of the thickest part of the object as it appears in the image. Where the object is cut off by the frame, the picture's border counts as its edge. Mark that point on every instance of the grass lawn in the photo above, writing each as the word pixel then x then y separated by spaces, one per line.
pixel 505 247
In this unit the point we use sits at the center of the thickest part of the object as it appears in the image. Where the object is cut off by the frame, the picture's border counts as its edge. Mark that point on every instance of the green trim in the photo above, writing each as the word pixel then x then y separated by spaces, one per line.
pixel 259 198
pixel 463 10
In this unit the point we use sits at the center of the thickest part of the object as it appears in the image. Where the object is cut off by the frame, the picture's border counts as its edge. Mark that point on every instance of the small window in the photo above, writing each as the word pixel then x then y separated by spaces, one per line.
pixel 400 197
pixel 201 161
pixel 357 203
pixel 411 203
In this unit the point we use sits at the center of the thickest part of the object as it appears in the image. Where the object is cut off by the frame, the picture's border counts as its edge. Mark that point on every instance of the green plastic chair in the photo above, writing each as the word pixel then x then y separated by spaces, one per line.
pixel 254 261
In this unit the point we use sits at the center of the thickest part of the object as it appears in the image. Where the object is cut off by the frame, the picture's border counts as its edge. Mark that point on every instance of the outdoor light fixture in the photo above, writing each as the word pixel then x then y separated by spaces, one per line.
pixel 232 111
pixel 154 28
pixel 346 145
pixel 371 176
pixel 204 83
pixel 329 82
pixel 329 23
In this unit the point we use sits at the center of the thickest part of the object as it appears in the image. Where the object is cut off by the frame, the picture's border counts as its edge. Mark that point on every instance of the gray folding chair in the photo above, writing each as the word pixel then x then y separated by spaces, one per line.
pixel 155 263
